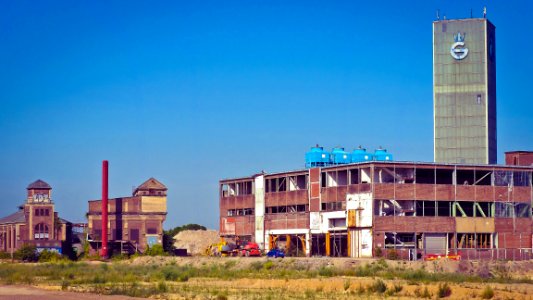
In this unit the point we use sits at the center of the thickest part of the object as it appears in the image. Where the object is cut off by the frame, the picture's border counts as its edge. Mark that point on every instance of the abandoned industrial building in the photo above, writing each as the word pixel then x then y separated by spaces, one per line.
pixel 368 207
pixel 36 223
pixel 134 223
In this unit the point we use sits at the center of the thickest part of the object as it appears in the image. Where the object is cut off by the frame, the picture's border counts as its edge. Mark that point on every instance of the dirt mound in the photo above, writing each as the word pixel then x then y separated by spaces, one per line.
pixel 195 241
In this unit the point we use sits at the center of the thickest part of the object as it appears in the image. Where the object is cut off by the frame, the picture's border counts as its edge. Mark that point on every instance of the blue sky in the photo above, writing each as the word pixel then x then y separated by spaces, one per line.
pixel 190 92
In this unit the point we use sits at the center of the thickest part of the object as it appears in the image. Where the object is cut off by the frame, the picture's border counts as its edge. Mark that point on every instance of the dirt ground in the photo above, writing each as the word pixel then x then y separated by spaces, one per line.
pixel 196 241
pixel 18 292
pixel 337 287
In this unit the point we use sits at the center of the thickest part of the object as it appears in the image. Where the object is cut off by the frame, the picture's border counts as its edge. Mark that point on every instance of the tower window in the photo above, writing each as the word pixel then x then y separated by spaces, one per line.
pixel 37 212
pixel 41 232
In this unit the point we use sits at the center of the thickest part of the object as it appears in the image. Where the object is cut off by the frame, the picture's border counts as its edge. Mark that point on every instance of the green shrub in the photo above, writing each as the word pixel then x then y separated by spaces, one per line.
pixel 155 250
pixel 396 288
pixel 444 290
pixel 378 287
pixel 26 253
pixel 268 265
pixel 347 284
pixel 49 256
pixel 487 293
pixel 5 255
pixel 378 252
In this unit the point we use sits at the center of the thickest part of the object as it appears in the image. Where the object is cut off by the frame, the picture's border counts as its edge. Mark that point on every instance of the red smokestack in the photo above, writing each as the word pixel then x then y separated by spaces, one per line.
pixel 105 165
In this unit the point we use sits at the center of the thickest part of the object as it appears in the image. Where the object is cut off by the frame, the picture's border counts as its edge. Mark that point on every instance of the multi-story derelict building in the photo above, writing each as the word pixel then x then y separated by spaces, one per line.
pixel 135 222
pixel 476 210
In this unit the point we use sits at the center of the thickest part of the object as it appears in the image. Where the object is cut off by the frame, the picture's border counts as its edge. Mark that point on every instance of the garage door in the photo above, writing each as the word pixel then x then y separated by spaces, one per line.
pixel 435 243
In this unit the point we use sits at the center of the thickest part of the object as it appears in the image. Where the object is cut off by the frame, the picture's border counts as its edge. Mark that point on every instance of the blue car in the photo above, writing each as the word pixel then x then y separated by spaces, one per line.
pixel 276 253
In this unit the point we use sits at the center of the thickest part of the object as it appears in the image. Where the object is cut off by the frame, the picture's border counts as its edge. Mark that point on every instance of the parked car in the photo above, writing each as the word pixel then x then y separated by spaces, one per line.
pixel 276 253
pixel 251 249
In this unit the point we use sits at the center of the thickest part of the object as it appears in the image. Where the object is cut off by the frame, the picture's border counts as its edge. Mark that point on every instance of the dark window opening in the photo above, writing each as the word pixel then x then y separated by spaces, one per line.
pixel 425 176
pixel 444 176
pixel 465 177
pixel 483 177
pixel 354 176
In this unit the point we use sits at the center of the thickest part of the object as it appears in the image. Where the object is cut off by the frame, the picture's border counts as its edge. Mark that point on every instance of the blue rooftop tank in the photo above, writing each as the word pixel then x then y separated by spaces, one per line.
pixel 317 157
pixel 382 155
pixel 339 156
pixel 360 155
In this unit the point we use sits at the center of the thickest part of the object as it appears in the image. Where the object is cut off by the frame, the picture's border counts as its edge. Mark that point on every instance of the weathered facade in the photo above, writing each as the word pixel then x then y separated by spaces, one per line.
pixel 36 223
pixel 361 209
pixel 135 222
pixel 464 91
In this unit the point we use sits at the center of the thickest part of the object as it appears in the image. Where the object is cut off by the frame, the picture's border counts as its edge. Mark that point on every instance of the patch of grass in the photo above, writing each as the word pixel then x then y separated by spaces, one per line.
pixel 347 284
pixel 378 286
pixel 487 293
pixel 444 290
pixel 423 293
pixel 268 265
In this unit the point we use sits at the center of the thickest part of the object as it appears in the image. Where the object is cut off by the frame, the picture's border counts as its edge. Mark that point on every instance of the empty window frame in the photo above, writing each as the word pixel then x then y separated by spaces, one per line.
pixel 342 177
pixel 503 209
pixel 425 176
pixel 354 176
pixel 244 188
pixel 465 177
pixel 474 240
pixel 287 209
pixel 483 177
pixel 444 208
pixel 398 208
pixel 400 240
pixel 405 175
pixel 522 210
pixel 334 206
pixel 240 212
pixel 365 175
pixel 228 189
pixel 383 175
pixel 503 178
pixel 278 184
pixel 520 178
pixel 297 183
pixel 444 176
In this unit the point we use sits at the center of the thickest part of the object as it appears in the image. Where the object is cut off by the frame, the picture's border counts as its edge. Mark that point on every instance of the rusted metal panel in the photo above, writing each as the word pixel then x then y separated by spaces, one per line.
pixel 473 225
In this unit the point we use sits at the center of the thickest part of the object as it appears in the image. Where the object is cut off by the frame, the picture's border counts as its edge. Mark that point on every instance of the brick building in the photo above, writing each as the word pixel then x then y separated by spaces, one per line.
pixel 476 210
pixel 36 223
pixel 135 222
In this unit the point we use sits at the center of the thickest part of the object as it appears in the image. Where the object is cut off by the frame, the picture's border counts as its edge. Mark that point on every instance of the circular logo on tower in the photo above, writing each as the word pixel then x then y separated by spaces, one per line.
pixel 458 49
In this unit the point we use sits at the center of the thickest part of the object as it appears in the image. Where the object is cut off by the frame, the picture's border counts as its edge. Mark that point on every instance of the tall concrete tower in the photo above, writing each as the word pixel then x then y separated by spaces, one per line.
pixel 464 91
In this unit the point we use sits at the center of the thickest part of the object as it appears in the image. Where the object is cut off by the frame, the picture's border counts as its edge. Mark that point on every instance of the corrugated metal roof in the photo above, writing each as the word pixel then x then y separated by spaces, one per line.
pixel 17 217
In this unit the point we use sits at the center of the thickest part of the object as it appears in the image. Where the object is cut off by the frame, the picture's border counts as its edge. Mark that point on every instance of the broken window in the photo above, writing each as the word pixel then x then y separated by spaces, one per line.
pixel 278 184
pixel 429 208
pixel 405 175
pixel 503 178
pixel 244 188
pixel 520 179
pixel 399 240
pixel 503 209
pixel 465 177
pixel 331 179
pixel 354 176
pixel 444 176
pixel 522 210
pixel 338 222
pixel 394 207
pixel 425 176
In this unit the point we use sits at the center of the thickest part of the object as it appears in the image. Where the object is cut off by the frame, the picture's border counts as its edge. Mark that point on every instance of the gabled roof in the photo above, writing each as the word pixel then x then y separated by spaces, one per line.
pixel 17 217
pixel 152 184
pixel 39 184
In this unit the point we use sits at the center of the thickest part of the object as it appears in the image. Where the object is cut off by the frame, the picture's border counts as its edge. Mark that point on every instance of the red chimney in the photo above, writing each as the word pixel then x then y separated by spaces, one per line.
pixel 105 165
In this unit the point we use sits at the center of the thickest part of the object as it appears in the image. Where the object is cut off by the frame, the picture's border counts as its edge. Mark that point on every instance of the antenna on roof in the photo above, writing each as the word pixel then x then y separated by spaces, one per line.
pixel 438 17
pixel 471 14
pixel 484 12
